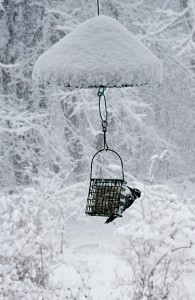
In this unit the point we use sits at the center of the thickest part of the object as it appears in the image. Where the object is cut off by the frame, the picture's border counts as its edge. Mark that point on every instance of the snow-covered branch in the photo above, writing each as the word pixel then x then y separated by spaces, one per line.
pixel 9 66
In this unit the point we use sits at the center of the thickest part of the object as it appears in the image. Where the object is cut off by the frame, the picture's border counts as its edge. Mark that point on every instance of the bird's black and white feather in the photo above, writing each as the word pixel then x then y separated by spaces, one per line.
pixel 130 197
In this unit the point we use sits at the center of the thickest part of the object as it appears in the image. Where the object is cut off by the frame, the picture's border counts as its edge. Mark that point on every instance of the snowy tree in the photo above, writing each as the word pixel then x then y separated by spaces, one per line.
pixel 159 166
pixel 35 226
pixel 16 61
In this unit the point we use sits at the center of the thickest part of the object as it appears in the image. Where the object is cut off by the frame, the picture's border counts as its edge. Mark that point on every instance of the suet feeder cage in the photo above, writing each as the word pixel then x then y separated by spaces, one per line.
pixel 105 197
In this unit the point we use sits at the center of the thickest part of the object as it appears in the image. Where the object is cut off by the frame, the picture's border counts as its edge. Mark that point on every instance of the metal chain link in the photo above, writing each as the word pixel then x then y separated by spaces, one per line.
pixel 101 96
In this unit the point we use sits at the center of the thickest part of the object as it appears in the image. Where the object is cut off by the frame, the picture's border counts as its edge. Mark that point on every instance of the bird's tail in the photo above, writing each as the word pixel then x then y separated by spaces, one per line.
pixel 110 219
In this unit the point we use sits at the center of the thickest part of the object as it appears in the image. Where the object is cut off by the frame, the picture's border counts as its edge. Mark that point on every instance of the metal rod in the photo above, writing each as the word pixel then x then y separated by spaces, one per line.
pixel 98 7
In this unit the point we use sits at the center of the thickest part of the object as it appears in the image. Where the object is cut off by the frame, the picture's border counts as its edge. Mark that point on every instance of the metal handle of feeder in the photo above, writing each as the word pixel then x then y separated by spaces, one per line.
pixel 114 153
pixel 98 7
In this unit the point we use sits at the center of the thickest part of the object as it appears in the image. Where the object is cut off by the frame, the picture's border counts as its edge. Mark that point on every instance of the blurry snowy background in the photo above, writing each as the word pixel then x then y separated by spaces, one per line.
pixel 49 249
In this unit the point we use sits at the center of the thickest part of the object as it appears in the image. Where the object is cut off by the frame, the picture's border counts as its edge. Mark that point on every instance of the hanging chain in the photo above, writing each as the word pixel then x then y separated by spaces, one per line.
pixel 98 7
pixel 101 96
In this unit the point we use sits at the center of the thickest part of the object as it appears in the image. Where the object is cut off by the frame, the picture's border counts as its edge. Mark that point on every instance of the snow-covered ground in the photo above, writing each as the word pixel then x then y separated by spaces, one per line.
pixel 105 274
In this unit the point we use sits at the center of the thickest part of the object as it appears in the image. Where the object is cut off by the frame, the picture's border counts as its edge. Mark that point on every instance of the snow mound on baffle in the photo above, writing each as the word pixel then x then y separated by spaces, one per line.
pixel 100 51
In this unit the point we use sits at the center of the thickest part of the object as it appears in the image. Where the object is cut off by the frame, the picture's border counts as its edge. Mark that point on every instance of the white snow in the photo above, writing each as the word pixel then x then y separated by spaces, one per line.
pixel 100 51
pixel 105 273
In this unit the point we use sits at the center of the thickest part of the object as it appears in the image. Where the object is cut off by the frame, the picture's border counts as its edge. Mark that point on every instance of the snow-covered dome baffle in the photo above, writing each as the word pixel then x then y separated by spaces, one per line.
pixel 99 52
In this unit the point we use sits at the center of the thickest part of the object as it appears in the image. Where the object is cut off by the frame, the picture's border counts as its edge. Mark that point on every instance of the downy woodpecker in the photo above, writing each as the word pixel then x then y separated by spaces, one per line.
pixel 130 197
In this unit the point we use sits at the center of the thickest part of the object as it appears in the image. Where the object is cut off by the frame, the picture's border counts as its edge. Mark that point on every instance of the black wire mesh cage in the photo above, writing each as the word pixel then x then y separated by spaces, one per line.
pixel 106 196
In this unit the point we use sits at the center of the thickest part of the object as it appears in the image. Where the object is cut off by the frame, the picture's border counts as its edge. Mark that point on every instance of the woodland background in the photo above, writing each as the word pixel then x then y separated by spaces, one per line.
pixel 48 137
